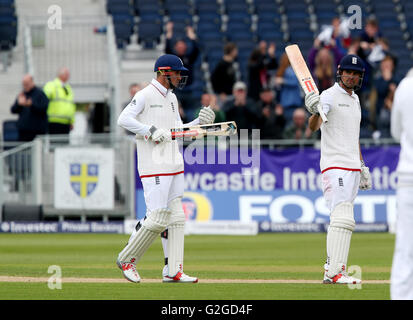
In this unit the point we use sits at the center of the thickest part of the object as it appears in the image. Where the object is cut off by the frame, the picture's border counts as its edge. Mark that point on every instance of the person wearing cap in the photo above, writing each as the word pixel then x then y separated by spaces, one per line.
pixel 241 108
pixel 341 163
pixel 150 115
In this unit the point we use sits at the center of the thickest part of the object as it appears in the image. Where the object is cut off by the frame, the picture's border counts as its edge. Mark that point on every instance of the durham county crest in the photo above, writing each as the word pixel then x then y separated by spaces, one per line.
pixel 83 178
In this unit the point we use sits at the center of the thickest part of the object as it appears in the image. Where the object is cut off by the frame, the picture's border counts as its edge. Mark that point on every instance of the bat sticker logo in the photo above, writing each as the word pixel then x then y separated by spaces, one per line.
pixel 309 85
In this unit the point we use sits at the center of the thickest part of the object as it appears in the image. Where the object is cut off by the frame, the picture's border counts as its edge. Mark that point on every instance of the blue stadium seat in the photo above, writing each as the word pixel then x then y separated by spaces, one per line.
pixel 119 8
pixel 8 30
pixel 215 44
pixel 236 6
pixel 388 23
pixel 142 7
pixel 151 17
pixel 122 34
pixel 149 34
pixel 271 36
pixel 204 7
pixel 10 131
pixel 269 16
pixel 209 17
pixel 239 16
pixel 7 10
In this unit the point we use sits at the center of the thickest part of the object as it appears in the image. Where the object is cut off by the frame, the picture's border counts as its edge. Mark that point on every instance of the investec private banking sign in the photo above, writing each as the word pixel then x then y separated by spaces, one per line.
pixel 84 178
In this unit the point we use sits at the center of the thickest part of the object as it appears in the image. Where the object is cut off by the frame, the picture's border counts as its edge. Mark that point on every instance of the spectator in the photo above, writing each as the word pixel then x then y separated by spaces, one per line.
pixel 298 129
pixel 224 75
pixel 240 108
pixel 288 87
pixel 324 72
pixel 336 53
pixel 368 42
pixel 61 110
pixel 188 54
pixel 337 34
pixel 272 121
pixel 31 106
pixel 208 99
pixel 385 86
pixel 261 61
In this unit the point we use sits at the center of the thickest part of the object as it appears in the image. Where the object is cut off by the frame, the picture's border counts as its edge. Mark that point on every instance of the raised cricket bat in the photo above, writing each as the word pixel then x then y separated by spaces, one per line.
pixel 214 129
pixel 302 73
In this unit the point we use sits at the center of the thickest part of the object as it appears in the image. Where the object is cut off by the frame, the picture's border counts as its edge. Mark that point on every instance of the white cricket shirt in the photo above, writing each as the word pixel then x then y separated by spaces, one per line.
pixel 154 105
pixel 340 135
pixel 402 127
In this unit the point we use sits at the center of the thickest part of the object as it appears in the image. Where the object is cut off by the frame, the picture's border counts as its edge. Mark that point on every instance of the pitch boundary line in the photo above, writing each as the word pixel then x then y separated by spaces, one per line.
pixel 121 280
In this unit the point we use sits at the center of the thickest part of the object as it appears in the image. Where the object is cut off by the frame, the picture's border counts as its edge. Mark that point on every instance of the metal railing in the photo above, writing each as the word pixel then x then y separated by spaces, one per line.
pixel 27 174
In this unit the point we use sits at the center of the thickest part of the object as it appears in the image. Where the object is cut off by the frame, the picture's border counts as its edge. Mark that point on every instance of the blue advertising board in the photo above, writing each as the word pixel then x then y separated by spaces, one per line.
pixel 278 186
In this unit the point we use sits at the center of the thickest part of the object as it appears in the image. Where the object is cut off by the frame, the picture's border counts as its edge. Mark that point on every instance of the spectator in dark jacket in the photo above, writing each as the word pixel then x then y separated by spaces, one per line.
pixel 188 51
pixel 31 106
pixel 272 120
pixel 385 86
pixel 224 75
pixel 241 109
pixel 261 63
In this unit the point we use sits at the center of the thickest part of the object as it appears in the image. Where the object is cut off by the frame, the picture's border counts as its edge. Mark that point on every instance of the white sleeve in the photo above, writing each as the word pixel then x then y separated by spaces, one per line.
pixel 396 125
pixel 127 118
pixel 194 122
pixel 326 102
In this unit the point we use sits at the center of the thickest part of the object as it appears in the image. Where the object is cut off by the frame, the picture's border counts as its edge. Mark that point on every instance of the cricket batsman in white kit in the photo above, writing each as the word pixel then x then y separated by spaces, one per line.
pixel 341 163
pixel 401 284
pixel 151 114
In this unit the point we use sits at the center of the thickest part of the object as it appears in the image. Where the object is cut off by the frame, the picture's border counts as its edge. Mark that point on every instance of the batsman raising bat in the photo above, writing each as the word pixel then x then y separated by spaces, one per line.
pixel 151 115
pixel 342 166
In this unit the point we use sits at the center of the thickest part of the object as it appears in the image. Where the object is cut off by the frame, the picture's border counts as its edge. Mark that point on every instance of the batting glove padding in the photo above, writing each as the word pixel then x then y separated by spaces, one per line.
pixel 365 178
pixel 206 115
pixel 160 135
pixel 312 100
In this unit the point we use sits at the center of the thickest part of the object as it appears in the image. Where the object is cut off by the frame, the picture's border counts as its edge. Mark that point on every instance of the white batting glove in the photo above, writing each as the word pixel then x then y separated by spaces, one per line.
pixel 206 115
pixel 365 177
pixel 158 135
pixel 312 100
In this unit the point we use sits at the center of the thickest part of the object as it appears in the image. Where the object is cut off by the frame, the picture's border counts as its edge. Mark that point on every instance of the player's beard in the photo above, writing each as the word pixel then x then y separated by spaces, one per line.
pixel 355 86
pixel 181 83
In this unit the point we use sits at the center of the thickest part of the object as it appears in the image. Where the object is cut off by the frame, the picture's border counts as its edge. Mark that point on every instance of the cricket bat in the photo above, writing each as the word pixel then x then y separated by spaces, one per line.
pixel 302 73
pixel 214 129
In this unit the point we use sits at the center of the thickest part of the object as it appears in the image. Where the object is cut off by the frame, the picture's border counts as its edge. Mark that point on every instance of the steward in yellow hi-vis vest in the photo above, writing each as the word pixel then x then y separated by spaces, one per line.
pixel 61 110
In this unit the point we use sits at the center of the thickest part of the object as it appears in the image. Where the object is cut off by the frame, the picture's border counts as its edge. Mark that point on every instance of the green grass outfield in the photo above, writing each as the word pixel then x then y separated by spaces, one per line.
pixel 267 258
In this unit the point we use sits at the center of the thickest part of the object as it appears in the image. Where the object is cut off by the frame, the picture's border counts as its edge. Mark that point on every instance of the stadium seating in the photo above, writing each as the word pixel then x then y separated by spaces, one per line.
pixel 246 22
pixel 8 25
pixel 9 130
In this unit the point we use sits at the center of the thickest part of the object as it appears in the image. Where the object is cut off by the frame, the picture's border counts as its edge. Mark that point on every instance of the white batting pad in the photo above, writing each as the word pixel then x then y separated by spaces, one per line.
pixel 154 224
pixel 176 231
pixel 339 237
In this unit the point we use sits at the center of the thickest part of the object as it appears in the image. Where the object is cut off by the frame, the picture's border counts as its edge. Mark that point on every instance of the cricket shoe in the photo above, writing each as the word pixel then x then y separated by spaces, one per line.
pixel 340 278
pixel 129 270
pixel 179 278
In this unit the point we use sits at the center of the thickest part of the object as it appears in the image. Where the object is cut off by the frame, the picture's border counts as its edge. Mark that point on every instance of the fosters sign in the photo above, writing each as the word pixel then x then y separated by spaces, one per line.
pixel 84 178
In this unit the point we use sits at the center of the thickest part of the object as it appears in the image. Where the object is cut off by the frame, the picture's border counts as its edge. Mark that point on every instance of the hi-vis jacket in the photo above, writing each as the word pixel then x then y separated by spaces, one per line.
pixel 61 107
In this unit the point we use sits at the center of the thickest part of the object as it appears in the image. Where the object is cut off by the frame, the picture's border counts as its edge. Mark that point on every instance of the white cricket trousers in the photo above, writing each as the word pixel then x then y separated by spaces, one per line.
pixel 401 287
pixel 340 186
pixel 159 191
